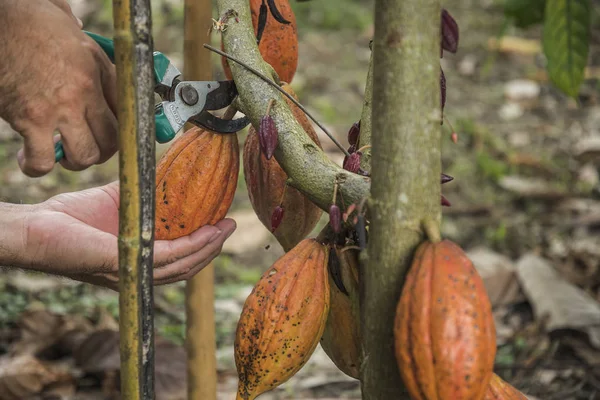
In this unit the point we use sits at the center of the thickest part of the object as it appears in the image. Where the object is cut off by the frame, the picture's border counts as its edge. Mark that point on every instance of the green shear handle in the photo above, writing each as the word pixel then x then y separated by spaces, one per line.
pixel 163 75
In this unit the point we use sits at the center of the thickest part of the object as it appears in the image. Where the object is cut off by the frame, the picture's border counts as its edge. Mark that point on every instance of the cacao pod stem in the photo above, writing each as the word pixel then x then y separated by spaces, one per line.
pixel 335 218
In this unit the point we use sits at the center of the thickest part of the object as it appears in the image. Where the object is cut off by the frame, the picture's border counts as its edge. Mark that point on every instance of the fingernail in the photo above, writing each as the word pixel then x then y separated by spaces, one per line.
pixel 215 236
pixel 80 22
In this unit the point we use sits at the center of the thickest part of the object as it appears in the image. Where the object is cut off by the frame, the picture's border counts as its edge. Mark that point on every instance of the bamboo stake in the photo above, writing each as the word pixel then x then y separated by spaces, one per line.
pixel 133 59
pixel 199 304
pixel 406 167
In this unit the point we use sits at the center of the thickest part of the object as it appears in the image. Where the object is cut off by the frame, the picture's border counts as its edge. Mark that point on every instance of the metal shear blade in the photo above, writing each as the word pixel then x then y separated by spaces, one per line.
pixel 192 100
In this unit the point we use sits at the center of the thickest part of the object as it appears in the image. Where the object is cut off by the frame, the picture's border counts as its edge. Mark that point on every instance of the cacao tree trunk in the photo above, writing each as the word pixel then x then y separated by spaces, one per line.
pixel 406 166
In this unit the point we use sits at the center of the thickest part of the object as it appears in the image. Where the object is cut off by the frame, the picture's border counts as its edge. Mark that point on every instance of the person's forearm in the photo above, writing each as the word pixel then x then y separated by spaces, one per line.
pixel 13 233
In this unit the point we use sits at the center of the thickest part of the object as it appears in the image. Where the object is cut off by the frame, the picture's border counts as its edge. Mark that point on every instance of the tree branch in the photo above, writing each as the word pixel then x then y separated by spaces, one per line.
pixel 309 169
pixel 405 175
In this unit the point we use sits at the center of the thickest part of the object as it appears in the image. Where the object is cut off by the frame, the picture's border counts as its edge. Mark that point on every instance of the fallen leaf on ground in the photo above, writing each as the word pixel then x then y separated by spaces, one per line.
pixel 23 376
pixel 565 305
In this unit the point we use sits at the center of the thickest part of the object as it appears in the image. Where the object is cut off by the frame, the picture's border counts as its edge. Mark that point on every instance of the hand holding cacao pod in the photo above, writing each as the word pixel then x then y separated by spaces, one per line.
pixel 196 179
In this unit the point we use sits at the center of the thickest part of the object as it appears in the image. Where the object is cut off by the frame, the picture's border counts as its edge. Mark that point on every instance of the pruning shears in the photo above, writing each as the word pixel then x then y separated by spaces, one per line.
pixel 182 101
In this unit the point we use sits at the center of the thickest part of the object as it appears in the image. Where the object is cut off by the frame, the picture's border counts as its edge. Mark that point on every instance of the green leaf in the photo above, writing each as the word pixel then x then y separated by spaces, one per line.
pixel 566 42
pixel 525 13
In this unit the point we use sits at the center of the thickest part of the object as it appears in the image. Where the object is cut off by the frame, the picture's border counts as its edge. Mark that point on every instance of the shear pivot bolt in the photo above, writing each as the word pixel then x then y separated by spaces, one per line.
pixel 189 95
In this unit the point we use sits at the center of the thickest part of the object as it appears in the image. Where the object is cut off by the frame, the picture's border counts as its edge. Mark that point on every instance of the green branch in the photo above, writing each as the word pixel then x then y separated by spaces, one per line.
pixel 309 169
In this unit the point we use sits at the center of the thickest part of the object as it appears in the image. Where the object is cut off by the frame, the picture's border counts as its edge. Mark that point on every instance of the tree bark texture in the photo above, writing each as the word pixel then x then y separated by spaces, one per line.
pixel 406 167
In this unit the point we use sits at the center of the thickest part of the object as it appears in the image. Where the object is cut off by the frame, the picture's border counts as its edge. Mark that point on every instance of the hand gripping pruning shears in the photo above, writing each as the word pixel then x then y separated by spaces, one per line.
pixel 182 101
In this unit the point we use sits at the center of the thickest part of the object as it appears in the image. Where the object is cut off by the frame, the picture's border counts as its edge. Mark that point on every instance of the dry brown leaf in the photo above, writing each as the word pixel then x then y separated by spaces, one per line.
pixel 23 376
pixel 46 333
pixel 99 354
pixel 565 305
pixel 532 188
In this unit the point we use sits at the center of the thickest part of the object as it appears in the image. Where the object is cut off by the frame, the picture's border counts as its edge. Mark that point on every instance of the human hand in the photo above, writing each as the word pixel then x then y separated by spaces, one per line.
pixel 55 78
pixel 75 235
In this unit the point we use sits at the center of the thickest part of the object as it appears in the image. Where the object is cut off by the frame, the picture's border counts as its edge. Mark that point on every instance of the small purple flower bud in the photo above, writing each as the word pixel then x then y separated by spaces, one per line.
pixel 446 178
pixel 335 218
pixel 352 163
pixel 353 133
pixel 276 218
pixel 445 202
pixel 449 32
pixel 267 136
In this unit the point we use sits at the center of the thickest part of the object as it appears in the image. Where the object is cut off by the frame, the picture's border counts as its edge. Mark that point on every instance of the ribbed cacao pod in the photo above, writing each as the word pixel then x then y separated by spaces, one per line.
pixel 265 180
pixel 498 389
pixel 279 42
pixel 196 179
pixel 445 339
pixel 282 320
pixel 341 338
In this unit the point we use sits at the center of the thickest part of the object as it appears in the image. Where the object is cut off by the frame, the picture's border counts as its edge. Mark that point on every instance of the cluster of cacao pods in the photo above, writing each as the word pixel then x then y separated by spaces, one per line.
pixel 309 295
pixel 196 178
pixel 445 337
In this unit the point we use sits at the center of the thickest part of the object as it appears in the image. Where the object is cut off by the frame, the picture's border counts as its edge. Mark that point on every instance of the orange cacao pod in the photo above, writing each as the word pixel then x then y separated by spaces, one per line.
pixel 498 389
pixel 196 179
pixel 265 180
pixel 279 42
pixel 341 338
pixel 445 339
pixel 282 320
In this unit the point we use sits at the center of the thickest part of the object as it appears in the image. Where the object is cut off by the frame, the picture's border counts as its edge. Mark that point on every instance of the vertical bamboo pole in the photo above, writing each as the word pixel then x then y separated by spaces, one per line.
pixel 133 59
pixel 406 167
pixel 199 304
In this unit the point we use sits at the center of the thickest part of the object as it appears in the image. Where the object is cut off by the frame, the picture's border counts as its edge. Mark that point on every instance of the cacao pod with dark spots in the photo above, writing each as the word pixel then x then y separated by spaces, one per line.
pixel 445 338
pixel 282 320
pixel 196 179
